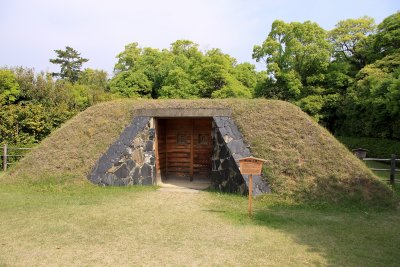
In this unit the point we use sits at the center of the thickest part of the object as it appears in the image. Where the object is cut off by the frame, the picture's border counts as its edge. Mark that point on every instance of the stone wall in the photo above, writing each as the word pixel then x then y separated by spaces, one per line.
pixel 228 148
pixel 131 159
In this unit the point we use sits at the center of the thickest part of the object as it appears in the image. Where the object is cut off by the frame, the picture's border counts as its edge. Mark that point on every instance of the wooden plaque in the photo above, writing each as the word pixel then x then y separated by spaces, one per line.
pixel 251 165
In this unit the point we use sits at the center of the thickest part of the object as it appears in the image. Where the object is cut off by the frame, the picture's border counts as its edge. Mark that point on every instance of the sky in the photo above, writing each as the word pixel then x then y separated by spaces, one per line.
pixel 30 30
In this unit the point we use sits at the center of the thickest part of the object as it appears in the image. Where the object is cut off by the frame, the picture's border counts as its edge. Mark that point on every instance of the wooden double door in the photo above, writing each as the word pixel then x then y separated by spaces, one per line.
pixel 185 148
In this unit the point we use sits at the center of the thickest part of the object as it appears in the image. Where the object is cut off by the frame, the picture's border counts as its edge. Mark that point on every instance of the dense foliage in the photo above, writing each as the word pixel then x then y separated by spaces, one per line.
pixel 347 78
pixel 33 104
pixel 182 71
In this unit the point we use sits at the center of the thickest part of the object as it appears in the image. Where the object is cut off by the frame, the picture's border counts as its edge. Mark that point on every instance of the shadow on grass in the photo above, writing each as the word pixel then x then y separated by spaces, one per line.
pixel 345 235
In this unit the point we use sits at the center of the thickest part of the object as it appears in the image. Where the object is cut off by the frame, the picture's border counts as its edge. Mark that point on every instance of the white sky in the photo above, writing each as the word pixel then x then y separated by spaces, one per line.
pixel 30 30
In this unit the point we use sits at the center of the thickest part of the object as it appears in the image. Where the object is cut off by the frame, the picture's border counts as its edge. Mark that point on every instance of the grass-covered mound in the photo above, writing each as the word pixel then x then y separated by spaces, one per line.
pixel 305 161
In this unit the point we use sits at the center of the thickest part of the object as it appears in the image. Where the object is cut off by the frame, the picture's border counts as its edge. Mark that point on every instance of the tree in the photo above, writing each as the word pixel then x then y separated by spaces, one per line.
pixel 374 100
pixel 349 37
pixel 9 88
pixel 94 78
pixel 387 40
pixel 128 58
pixel 178 85
pixel 70 62
pixel 296 55
pixel 182 71
pixel 131 84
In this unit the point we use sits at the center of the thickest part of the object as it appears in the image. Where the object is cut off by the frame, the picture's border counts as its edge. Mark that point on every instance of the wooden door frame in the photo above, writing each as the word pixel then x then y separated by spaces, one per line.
pixel 160 166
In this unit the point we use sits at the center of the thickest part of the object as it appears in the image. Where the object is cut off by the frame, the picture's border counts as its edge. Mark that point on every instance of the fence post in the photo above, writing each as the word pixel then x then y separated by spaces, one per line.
pixel 5 157
pixel 392 169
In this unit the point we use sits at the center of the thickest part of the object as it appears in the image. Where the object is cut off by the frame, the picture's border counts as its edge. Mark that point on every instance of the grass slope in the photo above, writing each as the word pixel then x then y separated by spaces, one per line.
pixel 305 161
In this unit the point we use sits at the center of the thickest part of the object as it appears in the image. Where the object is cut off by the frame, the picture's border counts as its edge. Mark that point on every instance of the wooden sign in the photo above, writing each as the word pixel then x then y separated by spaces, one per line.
pixel 251 165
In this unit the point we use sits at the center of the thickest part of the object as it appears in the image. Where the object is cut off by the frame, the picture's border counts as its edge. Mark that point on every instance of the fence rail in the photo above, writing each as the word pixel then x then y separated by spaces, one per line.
pixel 6 155
pixel 392 169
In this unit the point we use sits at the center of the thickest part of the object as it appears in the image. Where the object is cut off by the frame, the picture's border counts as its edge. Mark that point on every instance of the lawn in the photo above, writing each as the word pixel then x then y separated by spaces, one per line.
pixel 53 224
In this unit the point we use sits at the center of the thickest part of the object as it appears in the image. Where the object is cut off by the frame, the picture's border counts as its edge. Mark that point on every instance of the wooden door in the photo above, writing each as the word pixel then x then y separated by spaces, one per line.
pixel 179 143
pixel 188 148
pixel 202 148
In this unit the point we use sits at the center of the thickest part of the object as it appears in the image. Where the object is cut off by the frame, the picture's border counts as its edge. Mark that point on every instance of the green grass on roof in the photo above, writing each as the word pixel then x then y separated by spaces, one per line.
pixel 304 160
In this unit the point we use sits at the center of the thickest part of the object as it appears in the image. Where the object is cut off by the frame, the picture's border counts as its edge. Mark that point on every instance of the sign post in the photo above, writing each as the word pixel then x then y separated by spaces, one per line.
pixel 250 166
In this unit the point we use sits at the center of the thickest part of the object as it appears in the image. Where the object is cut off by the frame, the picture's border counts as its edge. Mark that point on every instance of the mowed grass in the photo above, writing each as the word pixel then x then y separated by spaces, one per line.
pixel 56 224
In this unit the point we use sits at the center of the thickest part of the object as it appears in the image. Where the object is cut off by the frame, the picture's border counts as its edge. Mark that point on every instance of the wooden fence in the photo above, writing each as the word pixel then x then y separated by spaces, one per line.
pixel 7 156
pixel 392 177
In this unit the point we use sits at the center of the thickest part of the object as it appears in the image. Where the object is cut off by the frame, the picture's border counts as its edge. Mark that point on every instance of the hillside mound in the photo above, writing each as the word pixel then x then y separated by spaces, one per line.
pixel 304 160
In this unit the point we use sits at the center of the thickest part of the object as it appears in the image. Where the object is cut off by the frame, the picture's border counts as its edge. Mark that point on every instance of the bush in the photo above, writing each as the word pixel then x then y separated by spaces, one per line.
pixel 377 147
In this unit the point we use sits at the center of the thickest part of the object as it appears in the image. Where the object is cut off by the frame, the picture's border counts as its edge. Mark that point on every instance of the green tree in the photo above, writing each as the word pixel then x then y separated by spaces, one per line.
pixel 374 100
pixel 232 89
pixel 9 88
pixel 182 71
pixel 349 37
pixel 178 85
pixel 296 55
pixel 70 63
pixel 387 40
pixel 128 58
pixel 131 84
pixel 94 78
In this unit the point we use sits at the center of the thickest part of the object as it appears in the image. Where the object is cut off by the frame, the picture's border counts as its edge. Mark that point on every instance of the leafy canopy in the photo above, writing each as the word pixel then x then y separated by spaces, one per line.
pixel 182 71
pixel 296 55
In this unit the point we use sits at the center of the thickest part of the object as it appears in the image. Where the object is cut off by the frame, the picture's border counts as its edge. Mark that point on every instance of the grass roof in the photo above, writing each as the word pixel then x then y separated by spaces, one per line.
pixel 304 160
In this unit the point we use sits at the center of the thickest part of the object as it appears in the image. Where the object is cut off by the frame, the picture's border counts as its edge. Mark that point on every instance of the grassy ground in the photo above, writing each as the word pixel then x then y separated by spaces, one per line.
pixel 50 224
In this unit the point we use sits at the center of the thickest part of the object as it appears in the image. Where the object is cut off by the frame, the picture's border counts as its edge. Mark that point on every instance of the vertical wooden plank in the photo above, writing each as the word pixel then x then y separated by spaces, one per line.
pixel 5 157
pixel 392 169
pixel 250 194
pixel 191 150
pixel 165 123
pixel 156 150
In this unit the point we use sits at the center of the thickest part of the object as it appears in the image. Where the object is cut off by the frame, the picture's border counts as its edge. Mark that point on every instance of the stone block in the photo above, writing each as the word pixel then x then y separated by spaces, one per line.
pixel 147 181
pixel 235 146
pixel 149 146
pixel 226 164
pixel 151 134
pixel 215 176
pixel 146 171
pixel 122 171
pixel 108 179
pixel 130 164
pixel 223 152
pixel 118 182
pixel 126 181
pixel 220 140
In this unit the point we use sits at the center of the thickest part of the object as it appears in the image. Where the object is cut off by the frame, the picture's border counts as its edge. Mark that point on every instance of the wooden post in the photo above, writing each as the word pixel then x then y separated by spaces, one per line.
pixel 250 194
pixel 5 157
pixel 392 169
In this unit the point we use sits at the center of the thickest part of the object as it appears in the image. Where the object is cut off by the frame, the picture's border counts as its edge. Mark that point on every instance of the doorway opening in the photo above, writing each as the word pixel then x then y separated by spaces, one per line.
pixel 184 149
